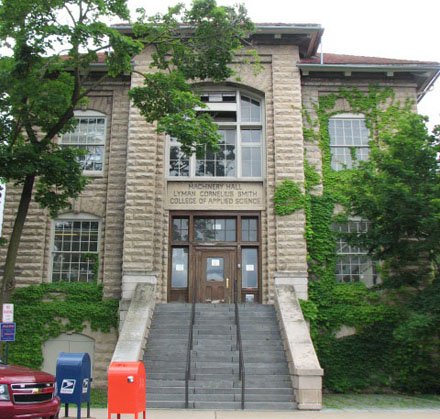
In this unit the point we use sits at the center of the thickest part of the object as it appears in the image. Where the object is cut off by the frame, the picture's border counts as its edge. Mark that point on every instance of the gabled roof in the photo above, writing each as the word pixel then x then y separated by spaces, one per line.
pixel 425 73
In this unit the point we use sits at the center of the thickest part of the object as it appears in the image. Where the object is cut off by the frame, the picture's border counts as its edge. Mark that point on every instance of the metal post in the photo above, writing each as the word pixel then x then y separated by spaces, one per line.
pixel 6 352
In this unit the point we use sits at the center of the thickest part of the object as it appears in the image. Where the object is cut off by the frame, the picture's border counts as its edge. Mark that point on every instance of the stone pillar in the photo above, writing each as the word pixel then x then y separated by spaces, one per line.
pixel 291 248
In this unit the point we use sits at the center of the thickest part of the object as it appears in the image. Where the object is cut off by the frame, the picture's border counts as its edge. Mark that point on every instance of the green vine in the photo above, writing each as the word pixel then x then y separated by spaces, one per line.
pixel 288 198
pixel 373 349
pixel 94 259
pixel 47 310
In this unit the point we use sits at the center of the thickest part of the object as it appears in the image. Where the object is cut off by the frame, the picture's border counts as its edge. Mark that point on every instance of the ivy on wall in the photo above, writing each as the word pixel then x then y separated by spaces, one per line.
pixel 288 198
pixel 374 352
pixel 45 311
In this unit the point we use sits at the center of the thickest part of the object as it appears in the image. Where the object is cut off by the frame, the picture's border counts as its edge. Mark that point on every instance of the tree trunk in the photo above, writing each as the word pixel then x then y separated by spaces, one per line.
pixel 8 281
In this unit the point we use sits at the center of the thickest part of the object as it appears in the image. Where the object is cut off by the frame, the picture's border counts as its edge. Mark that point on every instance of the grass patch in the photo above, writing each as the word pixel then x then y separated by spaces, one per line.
pixel 381 401
pixel 98 398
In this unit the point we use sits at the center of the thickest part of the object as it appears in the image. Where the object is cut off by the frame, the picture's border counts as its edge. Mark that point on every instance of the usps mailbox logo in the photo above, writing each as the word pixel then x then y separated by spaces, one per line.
pixel 67 386
pixel 85 386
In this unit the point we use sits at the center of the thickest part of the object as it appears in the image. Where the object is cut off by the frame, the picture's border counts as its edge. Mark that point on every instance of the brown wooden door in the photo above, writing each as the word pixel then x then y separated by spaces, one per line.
pixel 215 275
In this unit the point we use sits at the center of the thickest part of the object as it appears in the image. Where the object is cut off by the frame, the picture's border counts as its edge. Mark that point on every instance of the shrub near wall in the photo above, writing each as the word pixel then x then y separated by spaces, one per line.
pixel 48 310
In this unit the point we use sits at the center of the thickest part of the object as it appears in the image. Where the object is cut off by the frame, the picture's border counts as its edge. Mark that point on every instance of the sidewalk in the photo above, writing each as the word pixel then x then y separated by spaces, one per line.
pixel 264 414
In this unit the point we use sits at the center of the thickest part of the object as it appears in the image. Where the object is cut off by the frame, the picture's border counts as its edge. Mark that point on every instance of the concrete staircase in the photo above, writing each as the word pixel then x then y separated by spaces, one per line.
pixel 214 382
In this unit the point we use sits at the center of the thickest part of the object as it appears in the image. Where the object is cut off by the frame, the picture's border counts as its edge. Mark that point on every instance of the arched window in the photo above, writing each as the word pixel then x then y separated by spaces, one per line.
pixel 75 248
pixel 89 134
pixel 240 120
pixel 349 140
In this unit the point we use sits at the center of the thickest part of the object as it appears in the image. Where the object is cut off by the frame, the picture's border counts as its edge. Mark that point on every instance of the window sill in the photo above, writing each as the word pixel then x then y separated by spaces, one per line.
pixel 93 173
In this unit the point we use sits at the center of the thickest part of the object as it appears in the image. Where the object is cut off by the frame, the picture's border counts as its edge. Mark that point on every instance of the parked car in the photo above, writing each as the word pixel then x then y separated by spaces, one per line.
pixel 27 394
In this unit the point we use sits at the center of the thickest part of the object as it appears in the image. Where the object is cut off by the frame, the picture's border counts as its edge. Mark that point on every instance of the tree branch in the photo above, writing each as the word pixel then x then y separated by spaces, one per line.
pixel 71 15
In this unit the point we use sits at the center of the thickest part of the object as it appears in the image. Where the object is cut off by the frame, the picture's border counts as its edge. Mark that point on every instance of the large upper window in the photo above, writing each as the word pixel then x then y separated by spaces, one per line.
pixel 353 264
pixel 75 250
pixel 349 140
pixel 240 121
pixel 89 134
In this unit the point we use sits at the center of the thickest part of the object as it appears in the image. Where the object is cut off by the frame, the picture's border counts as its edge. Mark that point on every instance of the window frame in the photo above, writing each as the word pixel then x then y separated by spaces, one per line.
pixel 353 251
pixel 238 126
pixel 90 113
pixel 74 218
pixel 336 165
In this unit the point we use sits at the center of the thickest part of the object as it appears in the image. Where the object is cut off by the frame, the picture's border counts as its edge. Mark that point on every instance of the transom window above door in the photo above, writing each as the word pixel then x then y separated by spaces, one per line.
pixel 240 120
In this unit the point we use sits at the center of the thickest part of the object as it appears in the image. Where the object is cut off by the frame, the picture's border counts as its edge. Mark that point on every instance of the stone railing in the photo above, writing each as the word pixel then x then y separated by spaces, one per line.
pixel 305 371
pixel 134 332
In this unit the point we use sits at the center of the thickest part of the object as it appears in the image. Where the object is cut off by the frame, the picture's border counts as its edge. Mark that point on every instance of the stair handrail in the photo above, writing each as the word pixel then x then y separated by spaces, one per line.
pixel 189 350
pixel 241 372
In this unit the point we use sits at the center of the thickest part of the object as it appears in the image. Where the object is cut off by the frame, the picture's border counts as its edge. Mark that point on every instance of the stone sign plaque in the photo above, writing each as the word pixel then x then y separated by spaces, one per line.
pixel 214 196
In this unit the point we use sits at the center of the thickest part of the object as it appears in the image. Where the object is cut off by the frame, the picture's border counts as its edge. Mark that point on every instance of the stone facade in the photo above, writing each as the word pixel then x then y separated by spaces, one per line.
pixel 131 197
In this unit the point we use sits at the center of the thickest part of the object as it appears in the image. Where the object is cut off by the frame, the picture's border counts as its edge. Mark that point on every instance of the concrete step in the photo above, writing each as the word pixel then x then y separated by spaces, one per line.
pixel 216 383
pixel 214 380
pixel 268 380
pixel 265 405
pixel 164 383
pixel 267 397
pixel 216 397
pixel 211 405
pixel 180 375
pixel 196 371
pixel 165 404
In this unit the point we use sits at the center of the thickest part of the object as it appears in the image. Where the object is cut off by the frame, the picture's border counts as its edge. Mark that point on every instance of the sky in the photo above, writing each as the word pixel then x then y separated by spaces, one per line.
pixel 377 28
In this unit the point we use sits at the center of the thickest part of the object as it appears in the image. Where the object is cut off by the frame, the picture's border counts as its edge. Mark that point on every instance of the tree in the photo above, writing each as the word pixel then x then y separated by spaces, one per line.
pixel 398 191
pixel 47 76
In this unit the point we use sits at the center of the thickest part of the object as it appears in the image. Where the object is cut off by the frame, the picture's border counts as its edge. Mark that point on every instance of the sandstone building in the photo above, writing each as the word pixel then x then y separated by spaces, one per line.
pixel 190 228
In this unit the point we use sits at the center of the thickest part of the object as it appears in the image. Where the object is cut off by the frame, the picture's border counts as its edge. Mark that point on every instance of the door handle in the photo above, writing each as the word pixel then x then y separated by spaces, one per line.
pixel 227 282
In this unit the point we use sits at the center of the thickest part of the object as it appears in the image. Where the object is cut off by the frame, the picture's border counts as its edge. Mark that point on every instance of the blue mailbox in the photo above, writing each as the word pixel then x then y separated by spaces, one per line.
pixel 73 380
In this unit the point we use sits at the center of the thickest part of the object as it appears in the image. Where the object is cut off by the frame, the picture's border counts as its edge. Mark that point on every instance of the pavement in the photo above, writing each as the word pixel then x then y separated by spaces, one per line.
pixel 265 414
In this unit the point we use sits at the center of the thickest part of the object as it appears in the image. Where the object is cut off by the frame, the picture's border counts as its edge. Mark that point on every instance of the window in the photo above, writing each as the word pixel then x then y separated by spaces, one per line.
pixel 75 250
pixel 179 269
pixel 215 229
pixel 353 263
pixel 239 118
pixel 349 140
pixel 89 134
pixel 249 268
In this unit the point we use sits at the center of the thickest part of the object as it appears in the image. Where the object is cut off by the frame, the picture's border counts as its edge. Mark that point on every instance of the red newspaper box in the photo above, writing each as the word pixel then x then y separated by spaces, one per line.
pixel 127 387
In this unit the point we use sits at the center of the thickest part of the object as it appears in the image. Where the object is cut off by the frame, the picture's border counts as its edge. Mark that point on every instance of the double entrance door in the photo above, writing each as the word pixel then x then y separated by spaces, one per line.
pixel 215 278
